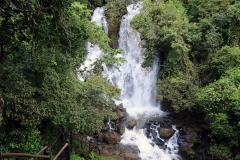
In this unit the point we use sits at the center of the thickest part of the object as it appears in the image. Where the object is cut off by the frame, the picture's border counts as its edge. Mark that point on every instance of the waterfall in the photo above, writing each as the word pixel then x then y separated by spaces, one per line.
pixel 94 52
pixel 138 94
pixel 138 90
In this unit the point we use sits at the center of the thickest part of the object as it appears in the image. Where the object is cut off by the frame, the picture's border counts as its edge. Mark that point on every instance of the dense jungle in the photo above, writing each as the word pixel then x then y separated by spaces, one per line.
pixel 43 44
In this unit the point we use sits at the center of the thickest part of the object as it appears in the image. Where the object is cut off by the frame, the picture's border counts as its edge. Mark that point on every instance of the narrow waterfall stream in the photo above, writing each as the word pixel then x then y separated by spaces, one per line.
pixel 94 52
pixel 138 87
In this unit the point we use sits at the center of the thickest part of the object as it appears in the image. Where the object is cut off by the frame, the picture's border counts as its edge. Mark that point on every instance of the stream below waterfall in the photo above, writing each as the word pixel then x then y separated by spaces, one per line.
pixel 138 89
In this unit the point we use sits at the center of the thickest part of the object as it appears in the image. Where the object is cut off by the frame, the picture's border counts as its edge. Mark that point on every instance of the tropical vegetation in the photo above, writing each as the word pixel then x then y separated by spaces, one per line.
pixel 198 42
pixel 43 44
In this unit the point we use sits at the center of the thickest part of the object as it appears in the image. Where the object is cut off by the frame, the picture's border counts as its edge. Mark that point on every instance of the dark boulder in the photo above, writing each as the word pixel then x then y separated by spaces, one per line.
pixel 166 133
pixel 112 138
pixel 131 124
pixel 121 129
pixel 186 152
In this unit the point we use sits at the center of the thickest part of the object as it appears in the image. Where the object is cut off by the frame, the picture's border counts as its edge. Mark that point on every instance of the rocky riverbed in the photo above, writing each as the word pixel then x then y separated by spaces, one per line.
pixel 192 135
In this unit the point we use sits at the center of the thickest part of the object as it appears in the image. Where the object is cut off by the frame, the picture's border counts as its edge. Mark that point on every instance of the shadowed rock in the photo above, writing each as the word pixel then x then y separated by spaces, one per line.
pixel 166 133
pixel 132 123
pixel 112 138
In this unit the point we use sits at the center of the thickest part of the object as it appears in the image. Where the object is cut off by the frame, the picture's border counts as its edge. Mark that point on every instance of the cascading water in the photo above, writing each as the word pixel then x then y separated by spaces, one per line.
pixel 138 94
pixel 94 52
pixel 138 87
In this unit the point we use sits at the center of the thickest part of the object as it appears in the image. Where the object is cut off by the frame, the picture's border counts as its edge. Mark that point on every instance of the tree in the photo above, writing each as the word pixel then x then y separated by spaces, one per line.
pixel 170 35
pixel 198 44
pixel 42 44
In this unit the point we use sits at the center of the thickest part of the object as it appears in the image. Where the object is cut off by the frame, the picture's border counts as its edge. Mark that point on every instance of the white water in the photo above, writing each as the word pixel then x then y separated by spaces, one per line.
pixel 138 94
pixel 138 87
pixel 94 52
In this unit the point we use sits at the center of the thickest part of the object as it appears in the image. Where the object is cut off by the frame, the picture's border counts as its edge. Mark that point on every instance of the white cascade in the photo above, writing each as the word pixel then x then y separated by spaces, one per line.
pixel 138 87
pixel 138 94
pixel 94 52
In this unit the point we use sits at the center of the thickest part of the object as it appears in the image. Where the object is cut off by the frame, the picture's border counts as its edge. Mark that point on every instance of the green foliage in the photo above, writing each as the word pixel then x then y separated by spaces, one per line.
pixel 168 26
pixel 94 103
pixel 169 33
pixel 225 59
pixel 220 152
pixel 198 43
pixel 220 100
pixel 42 44
pixel 180 90
pixel 191 154
pixel 92 156
pixel 74 156
pixel 115 10
pixel 29 142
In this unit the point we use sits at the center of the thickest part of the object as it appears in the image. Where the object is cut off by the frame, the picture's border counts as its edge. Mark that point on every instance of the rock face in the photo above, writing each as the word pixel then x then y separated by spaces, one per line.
pixel 100 137
pixel 186 152
pixel 119 152
pixel 193 137
pixel 131 154
pixel 122 115
pixel 114 16
pixel 121 129
pixel 166 133
pixel 131 124
pixel 112 138
pixel 106 141
pixel 161 127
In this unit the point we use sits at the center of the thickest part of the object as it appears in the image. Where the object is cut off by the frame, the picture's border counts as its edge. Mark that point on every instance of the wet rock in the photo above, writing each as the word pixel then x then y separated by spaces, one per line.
pixel 122 115
pixel 166 133
pixel 114 151
pixel 130 155
pixel 129 152
pixel 165 124
pixel 132 123
pixel 180 125
pixel 194 133
pixel 186 152
pixel 120 105
pixel 121 108
pixel 105 128
pixel 191 137
pixel 181 141
pixel 158 141
pixel 154 134
pixel 100 137
pixel 105 152
pixel 156 123
pixel 164 147
pixel 121 129
pixel 148 131
pixel 112 138
pixel 147 124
